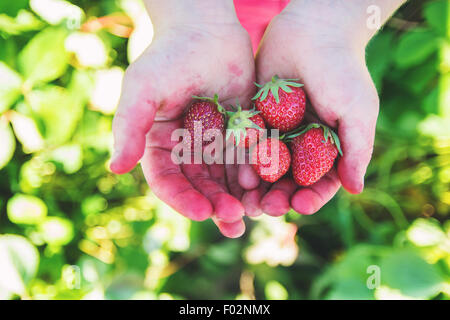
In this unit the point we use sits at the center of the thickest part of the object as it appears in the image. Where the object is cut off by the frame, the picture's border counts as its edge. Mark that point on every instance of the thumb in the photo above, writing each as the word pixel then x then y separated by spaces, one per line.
pixel 132 121
pixel 357 133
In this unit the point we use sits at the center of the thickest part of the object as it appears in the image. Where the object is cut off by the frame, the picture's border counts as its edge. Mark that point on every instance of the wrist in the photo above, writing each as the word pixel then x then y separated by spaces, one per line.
pixel 174 13
pixel 352 23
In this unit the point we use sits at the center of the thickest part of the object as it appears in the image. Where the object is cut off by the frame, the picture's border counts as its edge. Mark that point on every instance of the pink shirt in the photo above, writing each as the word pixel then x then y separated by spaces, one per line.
pixel 255 16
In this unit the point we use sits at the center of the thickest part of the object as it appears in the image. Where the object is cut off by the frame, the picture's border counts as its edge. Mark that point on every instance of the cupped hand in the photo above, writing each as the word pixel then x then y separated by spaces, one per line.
pixel 328 57
pixel 184 60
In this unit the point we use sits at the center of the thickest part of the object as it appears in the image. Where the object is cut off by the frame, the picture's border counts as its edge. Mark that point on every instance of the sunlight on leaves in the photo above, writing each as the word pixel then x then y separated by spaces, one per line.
pixel 56 11
pixel 10 84
pixel 107 88
pixel 8 142
pixel 39 62
pixel 409 273
pixel 27 132
pixel 56 231
pixel 425 232
pixel 89 49
pixel 273 242
pixel 142 34
pixel 59 112
pixel 26 209
pixel 275 291
pixel 19 262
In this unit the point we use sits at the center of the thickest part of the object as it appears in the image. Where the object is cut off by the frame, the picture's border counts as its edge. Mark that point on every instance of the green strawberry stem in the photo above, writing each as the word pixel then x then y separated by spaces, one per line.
pixel 327 134
pixel 239 121
pixel 214 100
pixel 273 86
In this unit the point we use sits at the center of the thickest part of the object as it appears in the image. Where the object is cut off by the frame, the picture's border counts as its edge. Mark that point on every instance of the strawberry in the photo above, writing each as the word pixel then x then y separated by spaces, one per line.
pixel 253 135
pixel 271 159
pixel 282 103
pixel 245 126
pixel 314 150
pixel 209 113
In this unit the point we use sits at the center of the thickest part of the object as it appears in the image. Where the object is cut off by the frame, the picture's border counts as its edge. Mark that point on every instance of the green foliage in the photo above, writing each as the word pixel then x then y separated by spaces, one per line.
pixel 8 143
pixel 11 8
pixel 70 229
pixel 19 265
pixel 411 275
pixel 39 62
pixel 415 46
pixel 10 84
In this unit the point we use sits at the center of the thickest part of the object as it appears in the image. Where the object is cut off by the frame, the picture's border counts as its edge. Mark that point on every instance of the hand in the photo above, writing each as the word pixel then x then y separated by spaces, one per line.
pixel 193 56
pixel 317 43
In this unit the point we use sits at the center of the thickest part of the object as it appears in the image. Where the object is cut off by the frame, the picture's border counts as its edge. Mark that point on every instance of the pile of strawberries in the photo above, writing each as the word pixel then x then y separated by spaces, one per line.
pixel 309 149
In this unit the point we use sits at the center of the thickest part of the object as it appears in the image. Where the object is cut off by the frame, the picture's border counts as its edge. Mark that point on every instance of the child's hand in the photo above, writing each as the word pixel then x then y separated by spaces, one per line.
pixel 193 56
pixel 323 46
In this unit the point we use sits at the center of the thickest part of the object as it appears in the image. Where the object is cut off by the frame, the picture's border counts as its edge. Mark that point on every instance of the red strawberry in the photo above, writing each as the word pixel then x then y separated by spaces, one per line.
pixel 271 159
pixel 253 135
pixel 209 113
pixel 245 126
pixel 314 150
pixel 282 103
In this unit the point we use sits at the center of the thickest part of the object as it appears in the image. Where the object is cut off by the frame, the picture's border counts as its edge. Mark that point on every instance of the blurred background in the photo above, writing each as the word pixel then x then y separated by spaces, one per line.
pixel 70 229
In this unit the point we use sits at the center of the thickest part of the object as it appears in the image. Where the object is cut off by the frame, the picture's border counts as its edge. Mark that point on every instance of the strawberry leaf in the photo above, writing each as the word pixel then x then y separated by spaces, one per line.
pixel 274 92
pixel 337 142
pixel 273 87
pixel 327 133
pixel 214 100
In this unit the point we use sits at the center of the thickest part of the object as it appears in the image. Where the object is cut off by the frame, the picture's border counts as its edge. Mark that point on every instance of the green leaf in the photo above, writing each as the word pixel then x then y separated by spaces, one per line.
pixel 70 156
pixel 57 11
pixel 415 46
pixel 25 21
pixel 350 289
pixel 275 291
pixel 408 272
pixel 7 143
pixel 349 272
pixel 44 58
pixel 26 209
pixel 19 262
pixel 59 110
pixel 8 53
pixel 12 7
pixel 379 57
pixel 437 14
pixel 27 132
pixel 425 232
pixel 430 102
pixel 56 231
pixel 419 77
pixel 224 253
pixel 10 85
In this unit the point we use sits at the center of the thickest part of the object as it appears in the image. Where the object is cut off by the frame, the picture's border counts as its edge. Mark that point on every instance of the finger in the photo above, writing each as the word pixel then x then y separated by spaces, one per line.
pixel 251 200
pixel 170 185
pixel 232 180
pixel 226 207
pixel 231 230
pixel 310 199
pixel 132 121
pixel 277 201
pixel 248 178
pixel 357 133
pixel 217 172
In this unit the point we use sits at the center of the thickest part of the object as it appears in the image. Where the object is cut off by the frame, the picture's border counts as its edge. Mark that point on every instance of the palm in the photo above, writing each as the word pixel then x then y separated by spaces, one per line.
pixel 160 85
pixel 341 95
